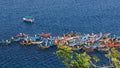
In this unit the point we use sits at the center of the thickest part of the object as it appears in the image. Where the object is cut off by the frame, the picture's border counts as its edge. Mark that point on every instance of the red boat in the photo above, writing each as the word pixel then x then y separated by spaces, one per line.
pixel 117 45
pixel 45 35
pixel 111 45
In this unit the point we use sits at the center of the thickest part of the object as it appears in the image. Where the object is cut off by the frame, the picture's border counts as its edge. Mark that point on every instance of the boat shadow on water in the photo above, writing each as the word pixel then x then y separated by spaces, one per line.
pixel 28 23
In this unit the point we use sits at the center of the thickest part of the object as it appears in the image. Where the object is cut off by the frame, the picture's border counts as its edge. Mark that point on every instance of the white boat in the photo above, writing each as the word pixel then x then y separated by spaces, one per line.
pixel 28 19
pixel 38 42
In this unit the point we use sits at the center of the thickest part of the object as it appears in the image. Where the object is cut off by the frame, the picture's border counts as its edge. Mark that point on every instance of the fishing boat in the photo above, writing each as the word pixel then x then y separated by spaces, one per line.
pixel 103 48
pixel 5 42
pixel 110 45
pixel 115 40
pixel 26 42
pixel 76 47
pixel 15 39
pixel 105 40
pixel 28 19
pixel 44 45
pixel 40 46
pixel 62 47
pixel 117 45
pixel 36 37
pixel 45 35
pixel 22 35
pixel 87 48
pixel 36 42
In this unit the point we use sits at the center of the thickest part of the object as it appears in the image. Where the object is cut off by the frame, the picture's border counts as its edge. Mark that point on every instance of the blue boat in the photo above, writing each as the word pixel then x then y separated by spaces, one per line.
pixel 5 42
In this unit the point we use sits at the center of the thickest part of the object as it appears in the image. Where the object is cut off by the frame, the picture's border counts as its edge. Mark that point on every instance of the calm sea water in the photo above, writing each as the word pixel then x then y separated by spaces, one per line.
pixel 56 17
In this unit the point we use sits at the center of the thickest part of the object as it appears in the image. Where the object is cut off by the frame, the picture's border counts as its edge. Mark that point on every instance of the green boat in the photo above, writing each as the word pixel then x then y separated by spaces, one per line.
pixel 28 19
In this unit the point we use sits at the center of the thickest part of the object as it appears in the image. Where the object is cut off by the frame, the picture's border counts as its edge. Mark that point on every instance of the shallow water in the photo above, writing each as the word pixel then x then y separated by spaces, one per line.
pixel 56 17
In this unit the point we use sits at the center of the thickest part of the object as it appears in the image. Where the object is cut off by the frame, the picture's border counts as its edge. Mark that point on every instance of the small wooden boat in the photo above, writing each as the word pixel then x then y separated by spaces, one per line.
pixel 37 42
pixel 103 48
pixel 36 37
pixel 62 47
pixel 87 48
pixel 22 35
pixel 40 46
pixel 76 48
pixel 110 45
pixel 5 42
pixel 117 45
pixel 26 42
pixel 15 39
pixel 28 19
pixel 106 40
pixel 45 35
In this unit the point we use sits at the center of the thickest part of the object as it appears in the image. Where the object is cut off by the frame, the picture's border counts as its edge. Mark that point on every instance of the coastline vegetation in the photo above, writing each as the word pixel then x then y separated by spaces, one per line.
pixel 73 59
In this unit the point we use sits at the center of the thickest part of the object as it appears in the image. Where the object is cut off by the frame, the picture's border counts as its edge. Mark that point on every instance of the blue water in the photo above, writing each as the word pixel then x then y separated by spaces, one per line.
pixel 56 17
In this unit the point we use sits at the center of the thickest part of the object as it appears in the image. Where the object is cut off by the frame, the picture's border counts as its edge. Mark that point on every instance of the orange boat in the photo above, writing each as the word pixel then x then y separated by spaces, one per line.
pixel 45 35
pixel 110 45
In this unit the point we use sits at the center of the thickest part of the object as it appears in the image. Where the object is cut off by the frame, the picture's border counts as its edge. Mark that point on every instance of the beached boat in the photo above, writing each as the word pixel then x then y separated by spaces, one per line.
pixel 28 19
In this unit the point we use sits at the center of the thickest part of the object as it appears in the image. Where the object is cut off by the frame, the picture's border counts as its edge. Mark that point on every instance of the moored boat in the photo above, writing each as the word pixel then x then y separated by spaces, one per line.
pixel 88 49
pixel 62 47
pixel 5 42
pixel 26 42
pixel 103 48
pixel 45 35
pixel 40 46
pixel 36 42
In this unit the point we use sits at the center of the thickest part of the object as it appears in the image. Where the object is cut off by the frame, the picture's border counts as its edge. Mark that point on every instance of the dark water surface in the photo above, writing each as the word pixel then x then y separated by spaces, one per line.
pixel 56 17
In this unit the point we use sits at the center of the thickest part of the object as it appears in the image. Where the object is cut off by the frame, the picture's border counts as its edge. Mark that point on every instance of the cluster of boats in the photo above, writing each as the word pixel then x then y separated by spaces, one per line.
pixel 89 42
pixel 77 41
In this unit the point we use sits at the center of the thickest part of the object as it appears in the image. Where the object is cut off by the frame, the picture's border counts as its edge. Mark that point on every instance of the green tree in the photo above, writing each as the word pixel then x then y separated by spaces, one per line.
pixel 80 61
pixel 73 59
pixel 96 58
pixel 114 55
